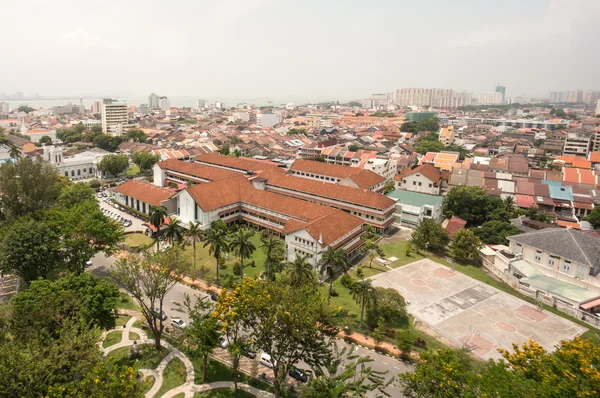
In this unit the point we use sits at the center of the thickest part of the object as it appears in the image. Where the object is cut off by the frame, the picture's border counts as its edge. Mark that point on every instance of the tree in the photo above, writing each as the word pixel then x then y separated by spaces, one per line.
pixel 462 152
pixel 26 109
pixel 26 186
pixel 472 204
pixel 389 305
pixel 372 249
pixel 533 213
pixel 558 113
pixel 299 272
pixel 331 260
pixel 144 160
pixel 354 147
pixel 389 186
pixel 224 150
pixel 242 246
pixel 74 298
pixel 347 377
pixel 202 334
pixel 173 232
pixel 430 235
pixel 76 193
pixel 274 249
pixel 495 232
pixel 362 292
pixel 465 245
pixel 158 214
pixel 136 135
pixel 217 240
pixel 405 340
pixel 45 140
pixel 107 142
pixel 379 332
pixel 29 249
pixel 148 278
pixel 97 129
pixel 429 146
pixel 196 234
pixel 288 323
pixel 594 218
pixel 113 164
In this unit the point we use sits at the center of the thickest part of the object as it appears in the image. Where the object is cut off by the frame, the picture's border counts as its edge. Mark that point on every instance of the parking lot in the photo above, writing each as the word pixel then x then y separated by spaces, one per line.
pixel 136 223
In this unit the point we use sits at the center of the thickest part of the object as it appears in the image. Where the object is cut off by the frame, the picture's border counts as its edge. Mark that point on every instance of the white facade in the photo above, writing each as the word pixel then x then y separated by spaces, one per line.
pixel 598 108
pixel 4 107
pixel 153 101
pixel 114 118
pixel 384 167
pixel 164 104
pixel 490 98
pixel 268 119
pixel 417 182
pixel 81 166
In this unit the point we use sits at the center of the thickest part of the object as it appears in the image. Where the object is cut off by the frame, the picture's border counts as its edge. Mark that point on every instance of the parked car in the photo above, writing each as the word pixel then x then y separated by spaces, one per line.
pixel 266 360
pixel 248 352
pixel 178 323
pixel 224 342
pixel 298 374
pixel 88 263
pixel 160 313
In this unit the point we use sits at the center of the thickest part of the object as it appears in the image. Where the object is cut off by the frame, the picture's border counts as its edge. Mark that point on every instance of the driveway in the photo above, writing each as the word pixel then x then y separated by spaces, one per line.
pixel 137 223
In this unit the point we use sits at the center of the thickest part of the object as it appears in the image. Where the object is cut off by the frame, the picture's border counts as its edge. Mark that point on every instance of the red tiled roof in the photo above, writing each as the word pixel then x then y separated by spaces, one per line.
pixel 245 164
pixel 365 179
pixel 428 170
pixel 454 225
pixel 144 192
pixel 575 161
pixel 197 170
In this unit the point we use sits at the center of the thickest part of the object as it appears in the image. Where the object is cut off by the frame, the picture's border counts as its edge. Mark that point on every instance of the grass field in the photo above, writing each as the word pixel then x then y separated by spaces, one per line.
pixel 149 359
pixel 125 302
pixel 122 320
pixel 173 376
pixel 134 336
pixel 133 170
pixel 137 240
pixel 112 338
pixel 223 393
pixel 146 384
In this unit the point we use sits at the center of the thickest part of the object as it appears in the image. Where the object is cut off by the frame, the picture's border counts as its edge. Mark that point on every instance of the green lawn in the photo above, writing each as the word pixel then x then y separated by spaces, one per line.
pixel 134 336
pixel 125 302
pixel 149 359
pixel 133 170
pixel 173 376
pixel 137 240
pixel 223 393
pixel 112 338
pixel 146 384
pixel 122 320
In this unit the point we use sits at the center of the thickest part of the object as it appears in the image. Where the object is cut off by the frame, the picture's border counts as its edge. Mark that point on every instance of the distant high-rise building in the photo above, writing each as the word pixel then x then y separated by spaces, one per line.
pixel 422 96
pixel 491 98
pixel 598 108
pixel 114 117
pixel 4 107
pixel 200 104
pixel 164 104
pixel 143 108
pixel 81 107
pixel 501 89
pixel 96 107
pixel 153 101
pixel 590 97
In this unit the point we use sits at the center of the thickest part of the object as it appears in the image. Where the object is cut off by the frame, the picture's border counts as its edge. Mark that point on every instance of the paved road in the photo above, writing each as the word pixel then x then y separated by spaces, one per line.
pixel 380 362
pixel 136 222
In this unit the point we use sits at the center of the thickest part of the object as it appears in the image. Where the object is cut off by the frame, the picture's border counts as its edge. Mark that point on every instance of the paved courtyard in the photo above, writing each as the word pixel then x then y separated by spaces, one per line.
pixel 473 314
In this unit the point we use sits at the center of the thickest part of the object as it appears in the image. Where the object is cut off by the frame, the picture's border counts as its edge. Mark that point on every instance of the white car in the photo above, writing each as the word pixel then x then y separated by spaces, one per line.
pixel 224 342
pixel 88 263
pixel 178 323
pixel 266 360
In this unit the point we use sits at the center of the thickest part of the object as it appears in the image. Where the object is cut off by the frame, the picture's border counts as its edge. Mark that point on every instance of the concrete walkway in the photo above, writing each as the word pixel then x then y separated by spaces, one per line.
pixel 189 388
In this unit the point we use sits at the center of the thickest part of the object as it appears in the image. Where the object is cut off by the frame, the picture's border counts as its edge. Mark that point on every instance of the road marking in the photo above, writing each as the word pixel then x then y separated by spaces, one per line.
pixel 384 363
pixel 395 367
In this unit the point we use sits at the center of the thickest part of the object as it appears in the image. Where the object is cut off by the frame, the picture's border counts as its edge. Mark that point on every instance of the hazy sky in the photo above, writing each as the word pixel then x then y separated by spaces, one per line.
pixel 298 49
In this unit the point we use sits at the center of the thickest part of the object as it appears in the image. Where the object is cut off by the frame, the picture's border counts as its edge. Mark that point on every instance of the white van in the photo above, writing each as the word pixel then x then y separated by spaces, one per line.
pixel 266 360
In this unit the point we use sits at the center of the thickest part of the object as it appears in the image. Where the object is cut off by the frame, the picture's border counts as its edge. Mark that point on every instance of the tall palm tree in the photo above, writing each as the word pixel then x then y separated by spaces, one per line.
pixel 196 234
pixel 242 246
pixel 299 271
pixel 271 245
pixel 173 232
pixel 362 292
pixel 331 260
pixel 14 152
pixel 217 240
pixel 157 219
pixel 372 249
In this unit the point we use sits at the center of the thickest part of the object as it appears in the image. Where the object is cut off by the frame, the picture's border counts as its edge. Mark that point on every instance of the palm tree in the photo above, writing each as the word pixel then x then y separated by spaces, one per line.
pixel 299 271
pixel 271 245
pixel 217 240
pixel 173 232
pixel 372 249
pixel 331 260
pixel 362 292
pixel 157 219
pixel 196 234
pixel 242 246
pixel 14 152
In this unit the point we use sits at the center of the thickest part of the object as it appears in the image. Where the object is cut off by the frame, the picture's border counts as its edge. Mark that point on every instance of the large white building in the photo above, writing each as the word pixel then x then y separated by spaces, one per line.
pixel 114 117
pixel 490 98
pixel 153 101
pixel 164 104
pixel 422 96
pixel 4 107
pixel 598 108
pixel 268 119
pixel 78 167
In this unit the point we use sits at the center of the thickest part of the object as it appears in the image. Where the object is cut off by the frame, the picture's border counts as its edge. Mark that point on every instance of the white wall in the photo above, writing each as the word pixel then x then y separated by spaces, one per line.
pixel 419 183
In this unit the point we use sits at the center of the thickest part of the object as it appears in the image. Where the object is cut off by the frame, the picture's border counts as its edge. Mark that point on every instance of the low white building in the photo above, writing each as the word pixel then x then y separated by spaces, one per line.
pixel 78 167
pixel 424 179
pixel 384 167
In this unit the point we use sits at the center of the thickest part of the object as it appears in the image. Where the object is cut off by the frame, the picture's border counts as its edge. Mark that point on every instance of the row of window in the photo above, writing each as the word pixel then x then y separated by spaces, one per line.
pixel 231 213
pixel 85 170
pixel 257 215
pixel 415 183
pixel 304 241
pixel 302 253
pixel 317 176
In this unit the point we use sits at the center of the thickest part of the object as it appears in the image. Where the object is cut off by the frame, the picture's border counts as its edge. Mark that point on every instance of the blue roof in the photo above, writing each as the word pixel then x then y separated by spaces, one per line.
pixel 414 198
pixel 561 192
pixel 551 182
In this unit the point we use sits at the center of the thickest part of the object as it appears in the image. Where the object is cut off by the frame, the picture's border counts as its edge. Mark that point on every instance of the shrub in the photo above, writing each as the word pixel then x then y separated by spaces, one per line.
pixel 390 332
pixel 237 269
pixel 334 292
pixel 346 281
pixel 419 342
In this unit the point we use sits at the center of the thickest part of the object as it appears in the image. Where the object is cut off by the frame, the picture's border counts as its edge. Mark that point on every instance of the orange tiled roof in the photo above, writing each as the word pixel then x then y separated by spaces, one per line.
pixel 364 179
pixel 428 170
pixel 197 170
pixel 244 164
pixel 144 192
pixel 575 161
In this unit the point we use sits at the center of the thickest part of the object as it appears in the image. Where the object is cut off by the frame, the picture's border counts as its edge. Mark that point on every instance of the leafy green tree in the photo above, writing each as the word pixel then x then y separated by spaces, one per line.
pixel 363 292
pixel 242 246
pixel 136 135
pixel 288 323
pixel 495 232
pixel 429 146
pixel 29 249
pixel 472 204
pixel 144 160
pixel 274 249
pixel 107 142
pixel 27 186
pixel 372 249
pixel 225 150
pixel 410 127
pixel 14 152
pixel 26 109
pixel 558 113
pixel 173 232
pixel 465 245
pixel 113 164
pixel 300 272
pixel 45 140
pixel 430 235
pixel 533 213
pixel 75 193
pixel 158 214
pixel 379 332
pixel 389 186
pixel 195 234
pixel 148 277
pixel 354 147
pixel 202 334
pixel 331 261
pixel 97 129
pixel 389 305
pixel 217 240
pixel 405 340
pixel 594 218
pixel 462 152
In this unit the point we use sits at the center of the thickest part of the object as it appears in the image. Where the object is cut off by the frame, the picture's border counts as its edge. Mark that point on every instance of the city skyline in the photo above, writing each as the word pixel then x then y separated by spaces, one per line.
pixel 262 48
